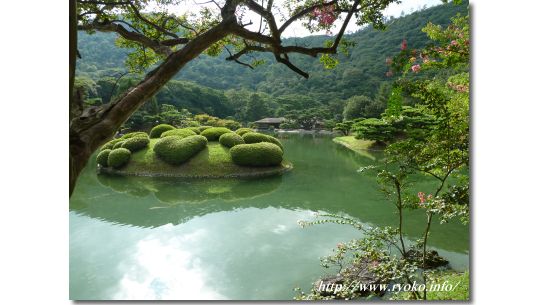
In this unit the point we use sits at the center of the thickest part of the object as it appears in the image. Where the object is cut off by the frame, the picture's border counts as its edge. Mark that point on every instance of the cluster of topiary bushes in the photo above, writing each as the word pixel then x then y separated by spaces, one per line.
pixel 176 150
pixel 113 153
pixel 249 148
pixel 115 158
pixel 176 146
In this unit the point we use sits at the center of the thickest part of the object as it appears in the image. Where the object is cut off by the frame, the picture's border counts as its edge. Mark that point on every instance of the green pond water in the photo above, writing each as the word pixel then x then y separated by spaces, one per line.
pixel 157 238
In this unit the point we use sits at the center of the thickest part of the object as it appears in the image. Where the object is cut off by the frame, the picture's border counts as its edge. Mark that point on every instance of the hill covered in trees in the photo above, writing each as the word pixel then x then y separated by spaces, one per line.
pixel 226 89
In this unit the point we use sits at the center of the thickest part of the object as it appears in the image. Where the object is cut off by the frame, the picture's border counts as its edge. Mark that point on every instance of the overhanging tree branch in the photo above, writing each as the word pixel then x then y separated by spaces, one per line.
pixel 160 47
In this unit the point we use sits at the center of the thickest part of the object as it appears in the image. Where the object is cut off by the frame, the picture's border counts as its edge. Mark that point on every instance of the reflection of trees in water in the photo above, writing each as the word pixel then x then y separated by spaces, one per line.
pixel 178 200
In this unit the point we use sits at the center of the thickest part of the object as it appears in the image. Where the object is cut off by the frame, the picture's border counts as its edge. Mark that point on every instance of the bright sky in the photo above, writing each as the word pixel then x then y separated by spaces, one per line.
pixel 296 30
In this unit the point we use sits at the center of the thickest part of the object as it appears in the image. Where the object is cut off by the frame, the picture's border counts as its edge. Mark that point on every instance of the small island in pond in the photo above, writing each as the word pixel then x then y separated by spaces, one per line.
pixel 193 152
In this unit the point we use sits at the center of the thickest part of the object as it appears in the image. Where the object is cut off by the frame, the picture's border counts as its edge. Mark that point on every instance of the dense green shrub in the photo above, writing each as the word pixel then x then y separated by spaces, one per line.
pixel 110 144
pixel 118 144
pixel 202 128
pixel 135 134
pixel 102 157
pixel 214 133
pixel 136 143
pixel 257 154
pixel 118 157
pixel 256 137
pixel 196 129
pixel 182 133
pixel 231 139
pixel 159 129
pixel 243 130
pixel 174 150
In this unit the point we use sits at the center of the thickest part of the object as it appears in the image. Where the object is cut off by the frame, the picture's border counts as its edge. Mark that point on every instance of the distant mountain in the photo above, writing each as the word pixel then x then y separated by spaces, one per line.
pixel 360 73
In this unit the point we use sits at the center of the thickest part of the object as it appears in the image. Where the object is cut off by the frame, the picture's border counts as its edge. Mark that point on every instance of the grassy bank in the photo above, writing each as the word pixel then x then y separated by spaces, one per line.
pixel 359 146
pixel 214 161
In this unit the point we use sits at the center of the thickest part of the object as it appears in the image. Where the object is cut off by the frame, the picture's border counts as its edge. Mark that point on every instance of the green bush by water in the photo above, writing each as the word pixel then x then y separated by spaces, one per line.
pixel 202 128
pixel 159 129
pixel 175 150
pixel 214 133
pixel 257 154
pixel 118 157
pixel 136 143
pixel 182 133
pixel 102 157
pixel 110 144
pixel 196 129
pixel 231 139
pixel 118 144
pixel 256 137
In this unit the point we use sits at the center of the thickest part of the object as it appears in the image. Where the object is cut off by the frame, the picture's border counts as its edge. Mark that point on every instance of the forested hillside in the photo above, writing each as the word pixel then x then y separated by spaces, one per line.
pixel 224 88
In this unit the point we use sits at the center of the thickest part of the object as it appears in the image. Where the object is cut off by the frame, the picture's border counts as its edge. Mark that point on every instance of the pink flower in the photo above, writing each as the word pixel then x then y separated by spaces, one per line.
pixel 389 73
pixel 415 68
pixel 388 61
pixel 421 197
pixel 340 246
pixel 454 43
pixel 404 45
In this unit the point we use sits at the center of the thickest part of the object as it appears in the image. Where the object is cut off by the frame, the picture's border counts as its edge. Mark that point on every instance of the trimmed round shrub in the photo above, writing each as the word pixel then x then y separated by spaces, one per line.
pixel 110 144
pixel 102 157
pixel 136 143
pixel 118 157
pixel 243 130
pixel 135 134
pixel 118 144
pixel 231 139
pixel 175 150
pixel 257 154
pixel 202 128
pixel 256 137
pixel 159 129
pixel 214 133
pixel 195 129
pixel 182 133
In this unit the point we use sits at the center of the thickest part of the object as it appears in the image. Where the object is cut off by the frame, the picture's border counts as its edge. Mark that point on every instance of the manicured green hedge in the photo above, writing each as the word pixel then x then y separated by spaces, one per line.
pixel 257 154
pixel 102 157
pixel 118 157
pixel 214 133
pixel 202 128
pixel 118 144
pixel 255 137
pixel 135 134
pixel 243 130
pixel 195 129
pixel 231 139
pixel 110 144
pixel 136 143
pixel 174 150
pixel 159 129
pixel 182 133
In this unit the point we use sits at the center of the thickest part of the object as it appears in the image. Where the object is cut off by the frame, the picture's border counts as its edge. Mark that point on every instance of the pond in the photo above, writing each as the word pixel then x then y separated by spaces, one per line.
pixel 157 238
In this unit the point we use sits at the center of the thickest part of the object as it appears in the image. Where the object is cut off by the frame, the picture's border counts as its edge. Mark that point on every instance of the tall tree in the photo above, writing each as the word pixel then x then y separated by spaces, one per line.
pixel 169 41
